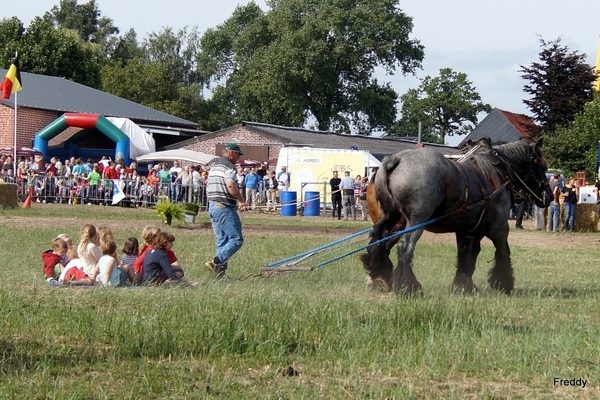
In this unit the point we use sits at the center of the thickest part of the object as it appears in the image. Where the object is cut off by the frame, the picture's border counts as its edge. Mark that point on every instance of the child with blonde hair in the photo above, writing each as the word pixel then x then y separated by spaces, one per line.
pixel 157 266
pixel 105 233
pixel 109 274
pixel 52 259
pixel 89 250
pixel 72 274
pixel 69 241
pixel 149 235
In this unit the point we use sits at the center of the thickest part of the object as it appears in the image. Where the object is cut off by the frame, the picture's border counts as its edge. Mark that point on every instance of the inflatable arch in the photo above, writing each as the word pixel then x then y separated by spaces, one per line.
pixel 86 121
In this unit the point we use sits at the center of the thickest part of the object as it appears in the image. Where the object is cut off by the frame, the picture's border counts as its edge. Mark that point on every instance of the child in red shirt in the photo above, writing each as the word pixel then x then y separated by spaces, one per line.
pixel 52 259
pixel 149 235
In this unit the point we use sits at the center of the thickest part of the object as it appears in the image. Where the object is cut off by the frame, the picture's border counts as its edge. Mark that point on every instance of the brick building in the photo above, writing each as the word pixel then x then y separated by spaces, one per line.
pixel 262 142
pixel 45 98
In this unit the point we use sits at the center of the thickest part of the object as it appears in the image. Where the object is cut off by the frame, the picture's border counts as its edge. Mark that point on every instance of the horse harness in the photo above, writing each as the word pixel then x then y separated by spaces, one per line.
pixel 485 199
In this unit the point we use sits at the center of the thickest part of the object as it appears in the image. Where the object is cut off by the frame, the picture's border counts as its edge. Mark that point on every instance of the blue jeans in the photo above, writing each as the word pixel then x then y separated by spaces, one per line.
pixel 553 217
pixel 570 216
pixel 228 228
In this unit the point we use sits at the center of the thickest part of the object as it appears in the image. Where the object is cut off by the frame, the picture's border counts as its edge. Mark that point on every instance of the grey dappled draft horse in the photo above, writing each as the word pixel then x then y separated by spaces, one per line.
pixel 471 198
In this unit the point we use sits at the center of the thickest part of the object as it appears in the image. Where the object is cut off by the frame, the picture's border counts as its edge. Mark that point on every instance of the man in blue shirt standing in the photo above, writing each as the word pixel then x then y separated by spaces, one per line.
pixel 251 181
pixel 347 186
pixel 223 193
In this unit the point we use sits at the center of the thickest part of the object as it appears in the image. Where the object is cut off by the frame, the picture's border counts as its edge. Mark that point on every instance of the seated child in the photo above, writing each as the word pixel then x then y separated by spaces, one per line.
pixel 89 250
pixel 72 273
pixel 69 241
pixel 109 274
pixel 132 251
pixel 157 267
pixel 169 250
pixel 105 233
pixel 52 258
pixel 148 236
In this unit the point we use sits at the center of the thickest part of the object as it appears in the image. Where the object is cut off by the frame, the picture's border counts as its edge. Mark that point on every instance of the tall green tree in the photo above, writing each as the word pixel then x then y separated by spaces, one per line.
pixel 446 105
pixel 163 75
pixel 311 60
pixel 560 85
pixel 86 19
pixel 46 50
pixel 574 147
pixel 11 31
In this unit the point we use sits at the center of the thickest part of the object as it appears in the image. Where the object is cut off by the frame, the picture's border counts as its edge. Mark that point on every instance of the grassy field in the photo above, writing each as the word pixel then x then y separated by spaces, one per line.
pixel 321 334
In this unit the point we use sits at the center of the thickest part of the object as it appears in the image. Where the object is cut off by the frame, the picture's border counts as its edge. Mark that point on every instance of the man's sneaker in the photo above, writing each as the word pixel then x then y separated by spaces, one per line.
pixel 216 267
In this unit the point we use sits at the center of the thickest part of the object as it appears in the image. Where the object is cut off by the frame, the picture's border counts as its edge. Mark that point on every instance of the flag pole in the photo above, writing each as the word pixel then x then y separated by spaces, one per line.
pixel 15 138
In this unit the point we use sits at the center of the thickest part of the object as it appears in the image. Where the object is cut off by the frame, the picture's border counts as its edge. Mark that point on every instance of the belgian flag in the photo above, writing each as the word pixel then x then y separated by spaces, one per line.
pixel 12 81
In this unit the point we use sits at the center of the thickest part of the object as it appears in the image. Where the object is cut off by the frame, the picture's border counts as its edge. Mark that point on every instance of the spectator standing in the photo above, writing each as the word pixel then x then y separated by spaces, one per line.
pixel 554 213
pixel 165 181
pixel 283 182
pixel 251 181
pixel 175 172
pixel 571 193
pixel 8 165
pixel 197 183
pixel 271 191
pixel 241 181
pixel 185 179
pixel 93 179
pixel 348 199
pixel 223 192
pixel 336 195
pixel 521 208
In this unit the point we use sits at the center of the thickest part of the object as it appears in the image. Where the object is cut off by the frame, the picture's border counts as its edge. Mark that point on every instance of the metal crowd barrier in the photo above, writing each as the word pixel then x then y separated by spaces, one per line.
pixel 66 190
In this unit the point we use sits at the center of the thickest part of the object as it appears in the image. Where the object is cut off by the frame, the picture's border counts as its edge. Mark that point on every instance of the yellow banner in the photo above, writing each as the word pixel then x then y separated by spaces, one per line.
pixel 308 169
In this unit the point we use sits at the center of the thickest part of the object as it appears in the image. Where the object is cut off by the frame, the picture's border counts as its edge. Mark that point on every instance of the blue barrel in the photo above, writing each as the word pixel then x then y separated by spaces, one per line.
pixel 312 204
pixel 288 204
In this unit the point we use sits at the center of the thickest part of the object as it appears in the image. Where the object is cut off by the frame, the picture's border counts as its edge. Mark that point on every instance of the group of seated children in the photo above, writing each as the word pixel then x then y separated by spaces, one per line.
pixel 94 260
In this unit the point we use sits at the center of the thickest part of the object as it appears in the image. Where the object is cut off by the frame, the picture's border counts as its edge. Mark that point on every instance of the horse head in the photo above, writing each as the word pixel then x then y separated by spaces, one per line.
pixel 525 166
pixel 535 181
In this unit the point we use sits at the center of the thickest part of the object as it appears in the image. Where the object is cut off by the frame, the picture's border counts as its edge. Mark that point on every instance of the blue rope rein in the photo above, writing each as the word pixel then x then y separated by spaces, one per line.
pixel 412 228
pixel 319 248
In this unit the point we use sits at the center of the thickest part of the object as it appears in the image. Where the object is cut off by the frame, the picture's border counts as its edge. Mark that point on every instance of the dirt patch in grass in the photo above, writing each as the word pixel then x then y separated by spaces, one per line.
pixel 528 238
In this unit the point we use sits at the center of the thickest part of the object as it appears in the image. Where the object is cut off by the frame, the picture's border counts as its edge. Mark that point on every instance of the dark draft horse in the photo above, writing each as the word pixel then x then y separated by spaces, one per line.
pixel 472 198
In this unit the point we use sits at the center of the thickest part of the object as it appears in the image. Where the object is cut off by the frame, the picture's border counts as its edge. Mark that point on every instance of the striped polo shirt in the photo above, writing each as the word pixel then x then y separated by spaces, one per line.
pixel 222 172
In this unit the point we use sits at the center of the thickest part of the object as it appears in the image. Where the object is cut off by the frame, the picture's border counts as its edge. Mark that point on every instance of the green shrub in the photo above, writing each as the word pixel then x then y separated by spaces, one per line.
pixel 191 208
pixel 168 211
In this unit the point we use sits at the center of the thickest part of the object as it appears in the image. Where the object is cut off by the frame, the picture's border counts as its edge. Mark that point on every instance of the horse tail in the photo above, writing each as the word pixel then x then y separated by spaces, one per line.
pixel 384 193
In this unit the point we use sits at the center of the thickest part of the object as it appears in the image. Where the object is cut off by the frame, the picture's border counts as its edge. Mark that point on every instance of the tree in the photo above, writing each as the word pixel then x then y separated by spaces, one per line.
pixel 59 52
pixel 86 20
pixel 445 105
pixel 126 48
pixel 11 31
pixel 175 53
pixel 162 75
pixel 311 59
pixel 574 147
pixel 560 85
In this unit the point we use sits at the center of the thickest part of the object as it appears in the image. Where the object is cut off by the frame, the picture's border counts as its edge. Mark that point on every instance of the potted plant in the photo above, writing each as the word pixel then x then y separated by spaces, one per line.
pixel 191 210
pixel 168 210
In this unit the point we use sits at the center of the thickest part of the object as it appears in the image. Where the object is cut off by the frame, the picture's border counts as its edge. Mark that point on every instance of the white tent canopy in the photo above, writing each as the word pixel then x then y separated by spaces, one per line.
pixel 195 157
pixel 140 141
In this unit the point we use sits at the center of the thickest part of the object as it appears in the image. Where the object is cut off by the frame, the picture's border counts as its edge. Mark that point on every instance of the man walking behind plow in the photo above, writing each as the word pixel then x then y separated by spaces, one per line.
pixel 223 194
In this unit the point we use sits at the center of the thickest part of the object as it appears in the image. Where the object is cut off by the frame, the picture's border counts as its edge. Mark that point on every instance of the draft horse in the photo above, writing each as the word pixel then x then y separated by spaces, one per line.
pixel 472 198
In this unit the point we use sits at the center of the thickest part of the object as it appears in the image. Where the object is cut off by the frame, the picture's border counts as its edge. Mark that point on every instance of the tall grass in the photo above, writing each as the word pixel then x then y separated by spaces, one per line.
pixel 237 339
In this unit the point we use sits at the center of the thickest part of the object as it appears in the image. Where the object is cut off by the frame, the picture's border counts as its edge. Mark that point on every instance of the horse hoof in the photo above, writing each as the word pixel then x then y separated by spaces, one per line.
pixel 378 284
pixel 411 290
pixel 468 289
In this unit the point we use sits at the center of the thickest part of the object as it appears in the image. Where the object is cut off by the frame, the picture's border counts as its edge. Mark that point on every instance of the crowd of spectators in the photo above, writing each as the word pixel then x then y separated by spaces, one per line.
pixel 90 181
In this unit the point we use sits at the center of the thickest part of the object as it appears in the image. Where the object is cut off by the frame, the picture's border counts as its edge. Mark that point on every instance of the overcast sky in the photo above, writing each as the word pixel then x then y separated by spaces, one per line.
pixel 486 40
